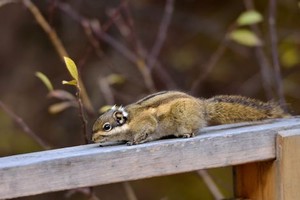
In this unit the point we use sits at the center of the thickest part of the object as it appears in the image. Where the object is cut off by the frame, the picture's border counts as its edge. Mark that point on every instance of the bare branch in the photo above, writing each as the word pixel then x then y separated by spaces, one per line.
pixel 274 51
pixel 129 21
pixel 266 70
pixel 82 116
pixel 209 182
pixel 106 91
pixel 112 42
pixel 140 64
pixel 87 191
pixel 113 16
pixel 161 36
pixel 88 32
pixel 45 25
pixel 4 2
pixel 208 67
pixel 24 126
pixel 141 51
pixel 129 191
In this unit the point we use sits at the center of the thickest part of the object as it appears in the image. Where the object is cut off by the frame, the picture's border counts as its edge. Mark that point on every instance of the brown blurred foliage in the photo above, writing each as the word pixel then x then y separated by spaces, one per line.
pixel 125 50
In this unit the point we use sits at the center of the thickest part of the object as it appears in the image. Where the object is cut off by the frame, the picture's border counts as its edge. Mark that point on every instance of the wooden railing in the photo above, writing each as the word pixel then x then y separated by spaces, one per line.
pixel 265 155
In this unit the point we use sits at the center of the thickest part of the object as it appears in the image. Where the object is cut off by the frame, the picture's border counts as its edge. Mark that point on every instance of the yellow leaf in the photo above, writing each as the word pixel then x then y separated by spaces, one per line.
pixel 115 79
pixel 290 57
pixel 71 66
pixel 45 80
pixel 72 82
pixel 105 108
pixel 245 37
pixel 249 17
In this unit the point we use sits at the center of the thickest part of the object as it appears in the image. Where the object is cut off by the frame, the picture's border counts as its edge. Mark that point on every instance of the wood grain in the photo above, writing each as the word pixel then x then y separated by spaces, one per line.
pixel 91 165
pixel 256 180
pixel 288 158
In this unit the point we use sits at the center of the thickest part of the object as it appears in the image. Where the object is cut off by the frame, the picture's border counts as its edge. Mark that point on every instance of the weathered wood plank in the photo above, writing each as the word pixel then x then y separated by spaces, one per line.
pixel 91 165
pixel 288 161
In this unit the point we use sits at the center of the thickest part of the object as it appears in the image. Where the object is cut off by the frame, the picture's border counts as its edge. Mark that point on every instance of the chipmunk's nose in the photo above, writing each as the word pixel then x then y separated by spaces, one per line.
pixel 94 137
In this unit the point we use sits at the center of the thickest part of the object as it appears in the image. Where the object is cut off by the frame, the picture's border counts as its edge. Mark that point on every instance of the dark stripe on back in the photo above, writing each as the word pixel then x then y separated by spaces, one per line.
pixel 160 98
pixel 150 97
pixel 167 100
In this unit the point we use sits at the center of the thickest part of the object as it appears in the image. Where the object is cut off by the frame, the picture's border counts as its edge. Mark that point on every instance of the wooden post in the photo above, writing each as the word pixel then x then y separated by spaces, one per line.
pixel 277 179
pixel 256 181
pixel 288 158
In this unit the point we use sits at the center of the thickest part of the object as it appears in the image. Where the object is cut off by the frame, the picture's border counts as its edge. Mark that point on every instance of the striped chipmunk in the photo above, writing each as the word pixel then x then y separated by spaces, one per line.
pixel 173 113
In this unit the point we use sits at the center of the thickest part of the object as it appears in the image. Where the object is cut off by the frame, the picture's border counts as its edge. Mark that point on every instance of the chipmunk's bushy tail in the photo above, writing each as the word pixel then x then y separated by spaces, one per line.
pixel 227 109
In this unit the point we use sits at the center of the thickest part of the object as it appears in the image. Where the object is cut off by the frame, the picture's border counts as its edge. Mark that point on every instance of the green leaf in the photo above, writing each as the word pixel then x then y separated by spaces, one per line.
pixel 113 79
pixel 72 82
pixel 71 66
pixel 45 80
pixel 245 37
pixel 249 17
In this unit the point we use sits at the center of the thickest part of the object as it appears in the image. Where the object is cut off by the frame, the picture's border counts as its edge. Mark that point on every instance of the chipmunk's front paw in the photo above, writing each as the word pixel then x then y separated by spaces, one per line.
pixel 188 135
pixel 130 143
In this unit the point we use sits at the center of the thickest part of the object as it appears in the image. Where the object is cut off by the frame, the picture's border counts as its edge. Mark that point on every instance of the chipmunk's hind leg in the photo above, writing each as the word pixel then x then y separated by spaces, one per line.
pixel 188 117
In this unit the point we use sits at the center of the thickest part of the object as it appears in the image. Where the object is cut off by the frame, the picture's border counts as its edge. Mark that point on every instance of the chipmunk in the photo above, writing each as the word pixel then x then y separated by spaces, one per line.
pixel 176 113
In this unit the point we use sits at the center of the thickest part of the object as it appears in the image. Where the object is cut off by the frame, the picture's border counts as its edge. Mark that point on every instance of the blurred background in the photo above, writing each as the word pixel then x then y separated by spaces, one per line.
pixel 125 50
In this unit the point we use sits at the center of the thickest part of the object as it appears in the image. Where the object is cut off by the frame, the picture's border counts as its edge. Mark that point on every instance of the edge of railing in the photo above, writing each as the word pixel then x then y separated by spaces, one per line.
pixel 90 165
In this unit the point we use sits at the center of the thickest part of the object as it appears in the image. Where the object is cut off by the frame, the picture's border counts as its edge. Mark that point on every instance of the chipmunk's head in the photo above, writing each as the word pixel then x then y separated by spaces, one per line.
pixel 111 125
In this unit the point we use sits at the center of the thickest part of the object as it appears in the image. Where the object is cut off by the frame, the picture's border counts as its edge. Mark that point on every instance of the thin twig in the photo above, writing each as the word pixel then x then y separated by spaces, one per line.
pixel 85 191
pixel 82 115
pixel 208 67
pixel 45 25
pixel 274 51
pixel 121 25
pixel 141 51
pixel 24 126
pixel 265 67
pixel 214 58
pixel 128 54
pixel 114 16
pixel 129 191
pixel 210 184
pixel 163 75
pixel 88 32
pixel 95 27
pixel 4 2
pixel 106 91
pixel 141 65
pixel 112 42
pixel 162 32
pixel 129 21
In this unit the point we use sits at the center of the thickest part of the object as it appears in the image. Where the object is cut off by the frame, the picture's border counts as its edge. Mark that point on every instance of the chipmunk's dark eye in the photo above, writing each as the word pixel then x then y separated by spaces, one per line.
pixel 107 126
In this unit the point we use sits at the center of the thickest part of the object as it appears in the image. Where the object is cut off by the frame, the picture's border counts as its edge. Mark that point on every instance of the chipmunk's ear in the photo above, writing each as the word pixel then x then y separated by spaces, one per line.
pixel 120 115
